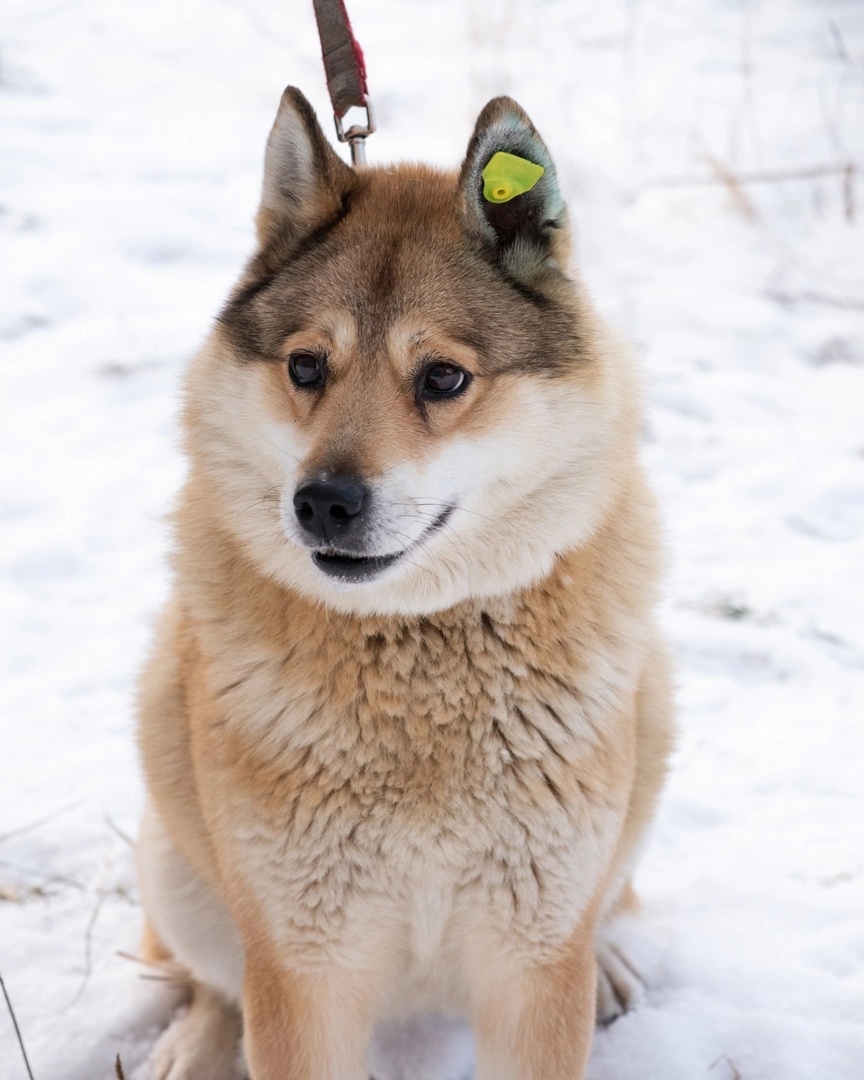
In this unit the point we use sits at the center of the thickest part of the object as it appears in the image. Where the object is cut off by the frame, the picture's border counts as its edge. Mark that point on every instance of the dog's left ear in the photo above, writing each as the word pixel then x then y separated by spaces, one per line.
pixel 527 233
pixel 305 181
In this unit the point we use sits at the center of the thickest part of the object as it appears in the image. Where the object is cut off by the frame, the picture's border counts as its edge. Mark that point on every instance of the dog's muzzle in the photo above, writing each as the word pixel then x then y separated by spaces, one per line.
pixel 334 512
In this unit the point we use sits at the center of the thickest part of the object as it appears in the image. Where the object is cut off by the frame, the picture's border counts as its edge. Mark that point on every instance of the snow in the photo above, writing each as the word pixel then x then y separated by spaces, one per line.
pixel 133 138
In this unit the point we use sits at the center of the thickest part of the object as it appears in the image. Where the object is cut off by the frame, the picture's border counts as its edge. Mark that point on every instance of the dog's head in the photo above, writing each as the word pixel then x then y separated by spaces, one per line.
pixel 407 401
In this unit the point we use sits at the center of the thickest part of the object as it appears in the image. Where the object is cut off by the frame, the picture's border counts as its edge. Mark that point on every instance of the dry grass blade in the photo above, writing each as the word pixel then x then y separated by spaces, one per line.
pixel 44 879
pixel 161 971
pixel 735 1074
pixel 41 821
pixel 849 192
pixel 17 1029
pixel 136 959
pixel 115 828
pixel 88 947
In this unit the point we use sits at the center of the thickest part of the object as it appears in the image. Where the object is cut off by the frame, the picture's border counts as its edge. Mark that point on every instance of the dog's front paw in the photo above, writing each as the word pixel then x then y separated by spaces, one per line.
pixel 619 986
pixel 201 1044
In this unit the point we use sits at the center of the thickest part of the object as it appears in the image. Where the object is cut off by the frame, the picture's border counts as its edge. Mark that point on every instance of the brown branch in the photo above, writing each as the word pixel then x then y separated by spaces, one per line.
pixel 118 1069
pixel 733 182
pixel 764 176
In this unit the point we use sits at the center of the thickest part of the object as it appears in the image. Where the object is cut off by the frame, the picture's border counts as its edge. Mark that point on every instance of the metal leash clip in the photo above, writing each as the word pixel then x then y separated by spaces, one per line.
pixel 356 135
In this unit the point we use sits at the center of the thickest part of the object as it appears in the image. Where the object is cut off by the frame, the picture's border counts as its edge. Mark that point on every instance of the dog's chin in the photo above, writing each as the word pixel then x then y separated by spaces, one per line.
pixel 353 569
pixel 420 581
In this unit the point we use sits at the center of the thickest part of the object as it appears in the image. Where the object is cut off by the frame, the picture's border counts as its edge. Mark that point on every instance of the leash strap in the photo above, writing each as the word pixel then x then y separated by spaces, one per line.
pixel 346 74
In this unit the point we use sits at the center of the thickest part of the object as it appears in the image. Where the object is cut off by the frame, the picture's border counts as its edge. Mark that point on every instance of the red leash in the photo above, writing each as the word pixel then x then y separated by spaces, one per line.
pixel 346 74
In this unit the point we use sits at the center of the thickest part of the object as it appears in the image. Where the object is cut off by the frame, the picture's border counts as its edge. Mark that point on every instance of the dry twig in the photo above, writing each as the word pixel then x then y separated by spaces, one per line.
pixel 118 1069
pixel 839 43
pixel 88 946
pixel 45 879
pixel 814 296
pixel 17 1029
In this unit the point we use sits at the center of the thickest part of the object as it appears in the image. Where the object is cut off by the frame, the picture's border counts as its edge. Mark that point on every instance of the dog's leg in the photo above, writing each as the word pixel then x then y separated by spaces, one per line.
pixel 536 1023
pixel 186 922
pixel 619 986
pixel 305 1027
pixel 202 1043
pixel 183 913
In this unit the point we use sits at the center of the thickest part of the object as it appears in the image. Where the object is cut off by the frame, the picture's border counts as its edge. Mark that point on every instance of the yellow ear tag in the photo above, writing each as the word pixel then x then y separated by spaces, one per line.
pixel 507 176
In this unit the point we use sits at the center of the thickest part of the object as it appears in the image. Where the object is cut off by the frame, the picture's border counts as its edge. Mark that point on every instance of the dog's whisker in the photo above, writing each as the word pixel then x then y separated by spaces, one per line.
pixel 390 468
pixel 282 450
pixel 271 495
pixel 455 507
pixel 409 542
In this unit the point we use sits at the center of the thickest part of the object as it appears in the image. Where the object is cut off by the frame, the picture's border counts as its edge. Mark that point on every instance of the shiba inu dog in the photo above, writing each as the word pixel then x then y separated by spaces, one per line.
pixel 407 714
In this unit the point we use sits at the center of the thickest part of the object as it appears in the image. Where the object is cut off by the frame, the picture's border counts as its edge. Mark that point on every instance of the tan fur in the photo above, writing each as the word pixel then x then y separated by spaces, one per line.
pixel 426 791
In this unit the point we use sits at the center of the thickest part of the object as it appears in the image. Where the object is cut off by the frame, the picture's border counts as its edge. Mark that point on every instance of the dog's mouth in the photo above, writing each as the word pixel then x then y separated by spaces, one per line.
pixel 356 568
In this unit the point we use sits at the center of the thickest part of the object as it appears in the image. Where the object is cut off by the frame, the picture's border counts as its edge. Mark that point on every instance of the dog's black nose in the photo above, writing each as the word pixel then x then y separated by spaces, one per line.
pixel 329 508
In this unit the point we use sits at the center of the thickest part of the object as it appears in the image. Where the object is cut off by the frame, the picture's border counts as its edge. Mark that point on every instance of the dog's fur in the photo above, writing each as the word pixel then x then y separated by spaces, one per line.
pixel 425 790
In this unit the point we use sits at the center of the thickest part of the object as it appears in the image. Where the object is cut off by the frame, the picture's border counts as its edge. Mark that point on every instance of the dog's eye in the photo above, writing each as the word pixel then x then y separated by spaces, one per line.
pixel 306 370
pixel 443 380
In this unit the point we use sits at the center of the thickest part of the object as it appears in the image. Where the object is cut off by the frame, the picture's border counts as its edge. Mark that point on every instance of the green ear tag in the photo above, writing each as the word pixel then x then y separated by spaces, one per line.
pixel 507 176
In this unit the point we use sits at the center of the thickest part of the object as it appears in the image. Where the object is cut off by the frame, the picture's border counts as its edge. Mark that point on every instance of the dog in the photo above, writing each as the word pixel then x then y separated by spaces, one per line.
pixel 408 710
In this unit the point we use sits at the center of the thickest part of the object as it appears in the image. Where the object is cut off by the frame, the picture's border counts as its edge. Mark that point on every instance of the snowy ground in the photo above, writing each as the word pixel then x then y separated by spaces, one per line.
pixel 132 139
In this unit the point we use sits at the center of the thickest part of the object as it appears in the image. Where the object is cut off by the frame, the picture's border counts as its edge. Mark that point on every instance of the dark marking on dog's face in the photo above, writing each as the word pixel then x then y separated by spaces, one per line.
pixel 369 264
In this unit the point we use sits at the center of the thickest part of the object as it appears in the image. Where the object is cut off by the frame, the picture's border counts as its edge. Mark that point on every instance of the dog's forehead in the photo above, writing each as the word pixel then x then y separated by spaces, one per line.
pixel 398 248
pixel 400 266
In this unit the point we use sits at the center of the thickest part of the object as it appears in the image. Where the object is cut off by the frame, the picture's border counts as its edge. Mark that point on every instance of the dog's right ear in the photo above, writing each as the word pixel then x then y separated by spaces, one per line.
pixel 305 182
pixel 509 197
